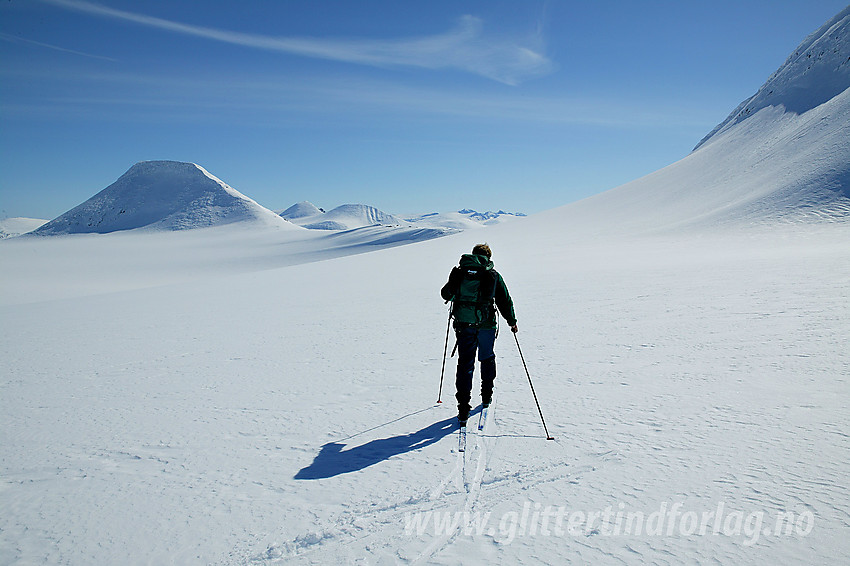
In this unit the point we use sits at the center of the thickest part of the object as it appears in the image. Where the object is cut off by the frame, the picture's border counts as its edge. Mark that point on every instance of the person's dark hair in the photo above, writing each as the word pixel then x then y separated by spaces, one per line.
pixel 482 249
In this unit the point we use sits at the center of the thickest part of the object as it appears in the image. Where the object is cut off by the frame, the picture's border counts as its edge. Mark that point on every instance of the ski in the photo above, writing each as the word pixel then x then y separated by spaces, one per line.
pixel 462 439
pixel 482 418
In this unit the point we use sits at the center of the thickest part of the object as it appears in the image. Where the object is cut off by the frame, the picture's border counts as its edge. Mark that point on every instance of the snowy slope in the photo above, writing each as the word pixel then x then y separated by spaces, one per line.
pixel 774 167
pixel 783 156
pixel 817 71
pixel 11 227
pixel 162 195
pixel 344 217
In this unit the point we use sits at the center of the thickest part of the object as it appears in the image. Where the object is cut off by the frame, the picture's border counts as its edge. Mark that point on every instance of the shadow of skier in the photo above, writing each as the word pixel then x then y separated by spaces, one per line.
pixel 333 460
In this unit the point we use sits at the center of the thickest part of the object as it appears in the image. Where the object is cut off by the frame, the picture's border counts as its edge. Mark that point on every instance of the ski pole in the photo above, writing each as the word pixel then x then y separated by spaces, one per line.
pixel 532 389
pixel 445 350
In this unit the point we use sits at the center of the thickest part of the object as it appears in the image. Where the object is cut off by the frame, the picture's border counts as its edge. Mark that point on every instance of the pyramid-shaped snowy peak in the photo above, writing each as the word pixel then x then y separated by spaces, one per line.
pixel 162 195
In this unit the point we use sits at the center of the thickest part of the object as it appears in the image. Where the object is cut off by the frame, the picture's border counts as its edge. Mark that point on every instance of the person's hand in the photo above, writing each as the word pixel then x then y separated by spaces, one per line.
pixel 514 329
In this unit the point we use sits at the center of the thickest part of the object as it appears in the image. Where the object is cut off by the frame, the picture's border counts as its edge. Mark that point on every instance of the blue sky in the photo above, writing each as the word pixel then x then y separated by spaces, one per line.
pixel 408 106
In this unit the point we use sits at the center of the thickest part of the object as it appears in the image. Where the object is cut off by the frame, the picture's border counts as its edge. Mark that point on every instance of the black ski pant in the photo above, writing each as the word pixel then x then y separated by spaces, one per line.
pixel 470 340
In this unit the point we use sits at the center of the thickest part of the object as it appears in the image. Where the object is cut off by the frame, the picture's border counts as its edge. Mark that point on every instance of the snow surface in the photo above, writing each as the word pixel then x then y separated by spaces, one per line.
pixel 90 264
pixel 11 227
pixel 236 395
pixel 286 415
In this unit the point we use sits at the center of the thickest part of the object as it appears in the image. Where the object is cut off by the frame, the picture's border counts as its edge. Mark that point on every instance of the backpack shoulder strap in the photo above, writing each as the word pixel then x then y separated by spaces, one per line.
pixel 488 294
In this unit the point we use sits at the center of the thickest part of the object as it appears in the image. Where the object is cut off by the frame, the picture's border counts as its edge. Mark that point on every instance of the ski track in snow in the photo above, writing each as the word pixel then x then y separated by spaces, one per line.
pixel 367 526
pixel 436 498
pixel 472 488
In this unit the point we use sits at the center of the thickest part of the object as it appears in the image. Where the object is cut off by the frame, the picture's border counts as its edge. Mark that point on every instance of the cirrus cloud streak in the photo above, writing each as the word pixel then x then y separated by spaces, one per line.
pixel 465 47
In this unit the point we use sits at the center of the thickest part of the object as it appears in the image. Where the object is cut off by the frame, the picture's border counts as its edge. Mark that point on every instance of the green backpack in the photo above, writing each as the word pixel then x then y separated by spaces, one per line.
pixel 473 302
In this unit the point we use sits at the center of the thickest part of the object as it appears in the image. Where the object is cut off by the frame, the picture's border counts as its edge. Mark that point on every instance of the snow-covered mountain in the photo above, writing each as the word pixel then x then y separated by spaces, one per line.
pixel 490 216
pixel 816 72
pixel 301 210
pixel 344 217
pixel 11 227
pixel 783 156
pixel 451 220
pixel 350 216
pixel 463 219
pixel 164 195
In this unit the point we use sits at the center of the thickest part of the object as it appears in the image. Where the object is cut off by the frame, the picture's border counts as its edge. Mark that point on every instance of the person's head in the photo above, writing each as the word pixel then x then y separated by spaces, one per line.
pixel 482 249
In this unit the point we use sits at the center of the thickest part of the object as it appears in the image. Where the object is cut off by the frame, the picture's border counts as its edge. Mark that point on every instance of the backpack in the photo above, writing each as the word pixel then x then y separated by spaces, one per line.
pixel 476 291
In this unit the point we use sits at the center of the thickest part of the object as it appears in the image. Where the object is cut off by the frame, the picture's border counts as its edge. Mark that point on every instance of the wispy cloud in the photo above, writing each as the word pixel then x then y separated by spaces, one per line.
pixel 465 47
pixel 276 102
pixel 16 39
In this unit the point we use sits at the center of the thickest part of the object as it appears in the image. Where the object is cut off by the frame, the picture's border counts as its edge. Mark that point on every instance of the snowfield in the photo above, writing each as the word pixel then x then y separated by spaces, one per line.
pixel 253 393
pixel 288 415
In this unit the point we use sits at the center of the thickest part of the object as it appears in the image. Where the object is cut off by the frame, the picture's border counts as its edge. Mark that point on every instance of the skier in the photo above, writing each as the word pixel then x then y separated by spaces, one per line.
pixel 473 287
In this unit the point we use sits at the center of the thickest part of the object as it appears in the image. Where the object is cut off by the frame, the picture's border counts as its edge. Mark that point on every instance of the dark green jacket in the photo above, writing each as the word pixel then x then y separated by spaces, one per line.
pixel 502 297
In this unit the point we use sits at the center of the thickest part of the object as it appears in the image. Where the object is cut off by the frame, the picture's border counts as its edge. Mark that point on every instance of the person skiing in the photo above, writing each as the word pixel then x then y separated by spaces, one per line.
pixel 473 288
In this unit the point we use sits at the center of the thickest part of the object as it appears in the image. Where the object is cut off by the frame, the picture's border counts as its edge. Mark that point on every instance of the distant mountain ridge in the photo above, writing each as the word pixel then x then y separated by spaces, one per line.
pixel 174 195
pixel 489 215
pixel 352 216
pixel 463 219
